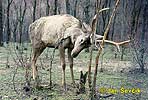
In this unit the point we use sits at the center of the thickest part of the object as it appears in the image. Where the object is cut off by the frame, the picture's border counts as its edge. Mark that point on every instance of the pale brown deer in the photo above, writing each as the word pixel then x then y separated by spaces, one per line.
pixel 63 32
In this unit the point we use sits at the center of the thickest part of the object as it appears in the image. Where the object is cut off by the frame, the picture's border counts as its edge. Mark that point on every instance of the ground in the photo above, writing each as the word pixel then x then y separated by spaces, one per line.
pixel 117 76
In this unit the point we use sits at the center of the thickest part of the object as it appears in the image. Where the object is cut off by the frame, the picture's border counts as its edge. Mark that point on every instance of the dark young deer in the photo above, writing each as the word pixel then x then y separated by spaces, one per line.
pixel 82 82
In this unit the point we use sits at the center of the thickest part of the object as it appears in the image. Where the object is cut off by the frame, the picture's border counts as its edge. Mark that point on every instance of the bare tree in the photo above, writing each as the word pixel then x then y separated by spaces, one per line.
pixel 34 9
pixel 100 50
pixel 1 24
pixel 55 6
pixel 105 15
pixel 47 7
pixel 123 6
pixel 139 7
pixel 68 7
pixel 134 17
pixel 21 19
pixel 15 23
pixel 8 20
pixel 142 39
pixel 9 2
pixel 113 26
pixel 40 8
pixel 86 11
pixel 94 26
pixel 75 8
pixel 86 15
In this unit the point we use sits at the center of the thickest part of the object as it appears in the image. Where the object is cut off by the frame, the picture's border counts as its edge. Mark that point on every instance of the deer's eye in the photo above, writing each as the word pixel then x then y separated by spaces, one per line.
pixel 81 40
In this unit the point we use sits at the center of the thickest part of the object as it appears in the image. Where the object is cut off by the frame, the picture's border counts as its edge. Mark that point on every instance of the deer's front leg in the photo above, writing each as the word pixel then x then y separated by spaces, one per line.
pixel 34 68
pixel 70 59
pixel 36 54
pixel 62 62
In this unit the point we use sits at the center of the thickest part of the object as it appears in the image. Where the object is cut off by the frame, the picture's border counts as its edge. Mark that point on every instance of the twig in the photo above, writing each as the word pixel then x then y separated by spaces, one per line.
pixel 100 50
pixel 93 25
pixel 105 96
pixel 13 80
pixel 21 61
pixel 50 77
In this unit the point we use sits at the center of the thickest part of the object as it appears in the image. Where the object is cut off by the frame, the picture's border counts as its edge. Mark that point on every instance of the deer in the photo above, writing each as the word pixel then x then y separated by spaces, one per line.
pixel 61 32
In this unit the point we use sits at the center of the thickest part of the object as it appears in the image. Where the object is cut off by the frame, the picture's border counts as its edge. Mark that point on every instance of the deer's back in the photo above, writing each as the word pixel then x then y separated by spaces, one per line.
pixel 52 28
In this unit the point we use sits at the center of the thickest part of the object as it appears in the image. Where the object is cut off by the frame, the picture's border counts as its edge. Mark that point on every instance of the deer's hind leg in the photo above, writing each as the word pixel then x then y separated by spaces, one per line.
pixel 70 59
pixel 62 61
pixel 36 53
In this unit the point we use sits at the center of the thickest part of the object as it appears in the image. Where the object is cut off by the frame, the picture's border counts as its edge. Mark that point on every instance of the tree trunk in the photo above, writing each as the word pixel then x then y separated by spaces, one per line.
pixel 1 24
pixel 67 6
pixel 145 22
pixel 113 27
pixel 75 8
pixel 123 32
pixel 8 21
pixel 86 11
pixel 34 10
pixel 15 24
pixel 105 15
pixel 47 7
pixel 21 20
pixel 86 15
pixel 134 17
pixel 55 6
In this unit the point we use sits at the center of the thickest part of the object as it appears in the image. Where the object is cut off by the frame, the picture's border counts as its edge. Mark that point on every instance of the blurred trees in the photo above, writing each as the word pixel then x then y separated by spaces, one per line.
pixel 67 6
pixel 22 11
pixel 9 2
pixel 142 40
pixel 55 6
pixel 47 7
pixel 1 24
pixel 34 9
pixel 86 11
pixel 138 28
pixel 128 22
pixel 19 14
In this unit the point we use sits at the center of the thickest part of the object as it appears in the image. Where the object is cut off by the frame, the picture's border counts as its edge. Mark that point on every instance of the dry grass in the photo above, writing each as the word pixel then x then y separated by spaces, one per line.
pixel 115 74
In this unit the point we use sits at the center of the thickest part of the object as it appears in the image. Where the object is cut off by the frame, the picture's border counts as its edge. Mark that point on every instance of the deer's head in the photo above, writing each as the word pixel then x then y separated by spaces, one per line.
pixel 83 40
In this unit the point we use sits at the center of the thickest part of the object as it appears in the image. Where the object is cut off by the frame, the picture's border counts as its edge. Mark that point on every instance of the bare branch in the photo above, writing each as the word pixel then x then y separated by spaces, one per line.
pixel 117 44
pixel 95 18
pixel 98 36
pixel 93 37
pixel 10 2
pixel 103 9
pixel 100 49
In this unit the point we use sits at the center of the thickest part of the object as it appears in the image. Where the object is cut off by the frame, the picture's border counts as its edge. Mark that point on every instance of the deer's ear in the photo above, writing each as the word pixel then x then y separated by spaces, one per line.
pixel 86 28
pixel 85 76
pixel 81 76
pixel 73 38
